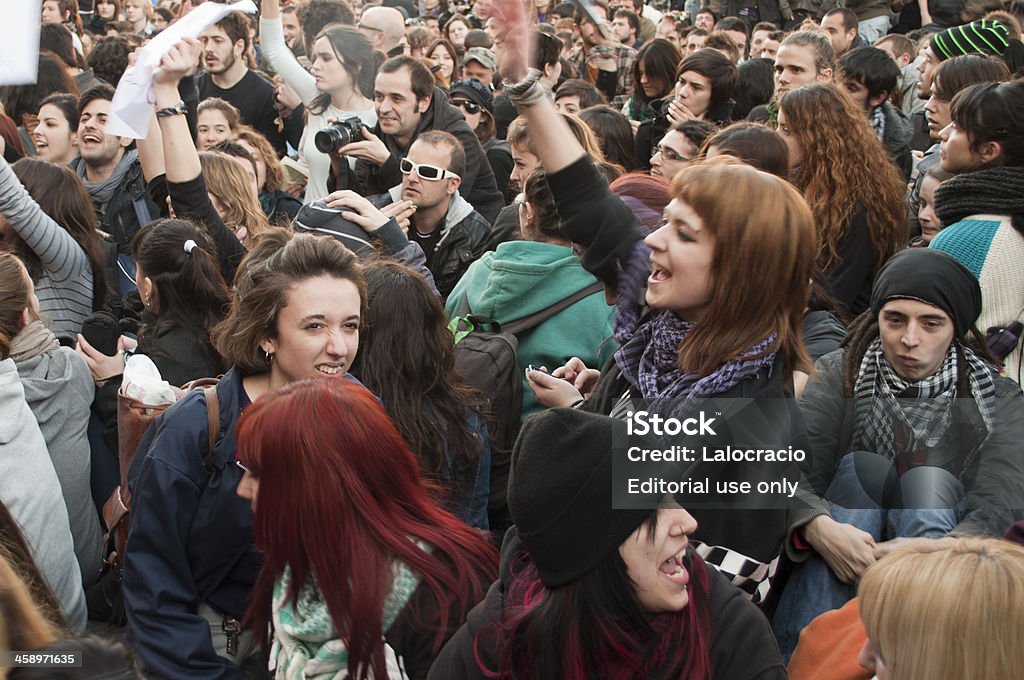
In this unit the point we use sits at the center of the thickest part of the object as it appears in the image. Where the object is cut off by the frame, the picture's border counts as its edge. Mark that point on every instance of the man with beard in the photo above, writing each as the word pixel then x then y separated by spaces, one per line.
pixel 225 45
pixel 408 104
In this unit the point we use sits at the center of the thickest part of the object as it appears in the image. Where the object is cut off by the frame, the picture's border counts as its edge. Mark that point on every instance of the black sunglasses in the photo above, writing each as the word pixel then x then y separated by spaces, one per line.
pixel 466 105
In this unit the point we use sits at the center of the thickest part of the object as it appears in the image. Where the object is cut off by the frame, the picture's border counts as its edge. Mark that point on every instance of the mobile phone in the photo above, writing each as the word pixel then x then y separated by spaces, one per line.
pixel 102 331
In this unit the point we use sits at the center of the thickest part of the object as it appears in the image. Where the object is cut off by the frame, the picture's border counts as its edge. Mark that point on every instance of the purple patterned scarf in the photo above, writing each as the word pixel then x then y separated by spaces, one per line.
pixel 650 363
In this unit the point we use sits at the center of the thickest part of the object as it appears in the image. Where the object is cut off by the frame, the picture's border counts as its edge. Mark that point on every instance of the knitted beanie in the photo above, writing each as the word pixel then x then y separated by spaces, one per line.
pixel 473 90
pixel 560 493
pixel 978 37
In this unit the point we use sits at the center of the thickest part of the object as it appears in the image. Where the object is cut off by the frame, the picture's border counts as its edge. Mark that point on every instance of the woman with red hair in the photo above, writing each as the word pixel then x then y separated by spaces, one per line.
pixel 363 570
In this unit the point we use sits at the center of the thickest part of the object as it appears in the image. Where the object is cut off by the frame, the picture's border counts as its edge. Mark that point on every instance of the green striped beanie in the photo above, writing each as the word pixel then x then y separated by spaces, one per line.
pixel 978 37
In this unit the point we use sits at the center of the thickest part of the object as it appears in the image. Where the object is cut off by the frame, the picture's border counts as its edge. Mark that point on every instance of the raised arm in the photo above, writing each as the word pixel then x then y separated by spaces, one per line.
pixel 280 57
pixel 591 214
pixel 60 255
pixel 181 160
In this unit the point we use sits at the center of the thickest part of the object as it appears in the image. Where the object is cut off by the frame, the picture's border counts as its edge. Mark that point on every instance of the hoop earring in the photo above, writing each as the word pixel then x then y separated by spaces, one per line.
pixel 270 356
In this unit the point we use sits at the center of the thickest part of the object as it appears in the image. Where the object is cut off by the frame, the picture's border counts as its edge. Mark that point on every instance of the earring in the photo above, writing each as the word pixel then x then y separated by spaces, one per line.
pixel 269 355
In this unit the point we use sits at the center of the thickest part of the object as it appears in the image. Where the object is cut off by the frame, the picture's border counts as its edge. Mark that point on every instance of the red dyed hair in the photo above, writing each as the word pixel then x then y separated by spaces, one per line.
pixel 596 627
pixel 341 497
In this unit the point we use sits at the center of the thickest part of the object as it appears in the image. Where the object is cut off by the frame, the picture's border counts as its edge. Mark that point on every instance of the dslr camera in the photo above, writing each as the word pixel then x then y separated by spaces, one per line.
pixel 338 134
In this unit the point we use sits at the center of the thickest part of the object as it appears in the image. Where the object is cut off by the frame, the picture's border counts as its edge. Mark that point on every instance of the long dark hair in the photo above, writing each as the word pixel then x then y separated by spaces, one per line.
pixel 189 288
pixel 659 58
pixel 614 134
pixel 724 77
pixel 596 627
pixel 341 499
pixel 63 197
pixel 353 50
pixel 407 358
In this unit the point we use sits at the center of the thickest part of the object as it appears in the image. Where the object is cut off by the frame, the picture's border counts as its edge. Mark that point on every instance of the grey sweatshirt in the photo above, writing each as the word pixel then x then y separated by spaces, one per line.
pixel 65 287
pixel 59 390
pixel 30 490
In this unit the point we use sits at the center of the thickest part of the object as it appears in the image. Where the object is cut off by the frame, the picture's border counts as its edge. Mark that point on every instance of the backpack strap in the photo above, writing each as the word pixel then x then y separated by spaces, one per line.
pixel 535 319
pixel 213 423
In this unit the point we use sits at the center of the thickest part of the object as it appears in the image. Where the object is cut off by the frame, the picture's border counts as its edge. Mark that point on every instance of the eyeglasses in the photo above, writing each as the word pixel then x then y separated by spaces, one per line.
pixel 370 28
pixel 431 173
pixel 242 467
pixel 466 105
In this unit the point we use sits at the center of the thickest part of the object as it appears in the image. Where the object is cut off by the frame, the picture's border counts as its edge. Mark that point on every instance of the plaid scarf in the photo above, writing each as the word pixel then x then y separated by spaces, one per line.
pixel 650 363
pixel 897 418
pixel 878 122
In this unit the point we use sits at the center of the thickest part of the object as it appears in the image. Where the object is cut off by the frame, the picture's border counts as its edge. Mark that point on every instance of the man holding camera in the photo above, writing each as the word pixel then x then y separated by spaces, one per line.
pixel 408 104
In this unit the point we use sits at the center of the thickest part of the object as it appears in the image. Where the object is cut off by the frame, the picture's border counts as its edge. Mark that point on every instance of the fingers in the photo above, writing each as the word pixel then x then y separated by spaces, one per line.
pixel 84 347
pixel 344 199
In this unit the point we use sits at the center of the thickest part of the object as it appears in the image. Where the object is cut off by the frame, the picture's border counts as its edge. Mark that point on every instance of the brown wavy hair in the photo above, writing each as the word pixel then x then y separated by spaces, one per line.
pixel 845 169
pixel 277 261
pixel 226 180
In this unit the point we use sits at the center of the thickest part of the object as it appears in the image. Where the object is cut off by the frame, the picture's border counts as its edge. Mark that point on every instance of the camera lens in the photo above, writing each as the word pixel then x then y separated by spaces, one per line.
pixel 332 138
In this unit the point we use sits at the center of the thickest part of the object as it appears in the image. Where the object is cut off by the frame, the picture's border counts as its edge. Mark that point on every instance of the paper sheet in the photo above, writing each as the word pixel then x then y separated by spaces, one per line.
pixel 19 43
pixel 132 106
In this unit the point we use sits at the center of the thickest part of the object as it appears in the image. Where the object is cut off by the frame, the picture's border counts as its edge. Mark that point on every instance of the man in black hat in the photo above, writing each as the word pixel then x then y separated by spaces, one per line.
pixel 914 434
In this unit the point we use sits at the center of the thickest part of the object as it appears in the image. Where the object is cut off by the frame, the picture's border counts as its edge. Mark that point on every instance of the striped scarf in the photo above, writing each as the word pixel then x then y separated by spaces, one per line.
pixel 899 418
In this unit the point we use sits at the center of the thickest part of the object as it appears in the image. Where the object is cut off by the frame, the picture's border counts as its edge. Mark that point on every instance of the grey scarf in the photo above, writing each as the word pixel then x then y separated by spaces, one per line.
pixel 102 192
pixel 31 341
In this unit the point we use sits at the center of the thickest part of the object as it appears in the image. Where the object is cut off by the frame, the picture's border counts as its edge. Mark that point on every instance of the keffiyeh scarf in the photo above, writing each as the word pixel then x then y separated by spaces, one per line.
pixel 894 416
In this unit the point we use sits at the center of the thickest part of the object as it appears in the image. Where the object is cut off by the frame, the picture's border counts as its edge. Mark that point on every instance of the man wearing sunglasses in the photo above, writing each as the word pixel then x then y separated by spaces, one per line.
pixel 451 233
pixel 408 105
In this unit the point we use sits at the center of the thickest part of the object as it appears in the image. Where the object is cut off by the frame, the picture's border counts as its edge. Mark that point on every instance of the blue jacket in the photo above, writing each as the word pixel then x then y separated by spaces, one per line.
pixel 190 538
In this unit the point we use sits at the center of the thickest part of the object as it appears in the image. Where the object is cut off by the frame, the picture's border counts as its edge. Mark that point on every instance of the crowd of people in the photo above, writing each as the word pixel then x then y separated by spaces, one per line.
pixel 806 214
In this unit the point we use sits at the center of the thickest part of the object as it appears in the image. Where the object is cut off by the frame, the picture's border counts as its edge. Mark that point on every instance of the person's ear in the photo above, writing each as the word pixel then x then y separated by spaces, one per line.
pixel 825 76
pixel 424 104
pixel 239 48
pixel 125 142
pixel 453 185
pixel 877 100
pixel 990 151
pixel 27 316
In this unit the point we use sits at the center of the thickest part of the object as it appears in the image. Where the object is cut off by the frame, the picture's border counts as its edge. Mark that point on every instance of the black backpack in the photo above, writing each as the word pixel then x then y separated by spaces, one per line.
pixel 486 358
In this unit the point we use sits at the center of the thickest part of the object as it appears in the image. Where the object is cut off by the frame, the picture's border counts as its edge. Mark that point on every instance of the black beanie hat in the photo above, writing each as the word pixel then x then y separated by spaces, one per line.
pixel 560 493
pixel 475 91
pixel 931 276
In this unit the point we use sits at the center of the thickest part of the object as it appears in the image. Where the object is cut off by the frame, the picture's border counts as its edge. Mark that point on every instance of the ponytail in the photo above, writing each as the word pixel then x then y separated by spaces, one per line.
pixel 180 260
